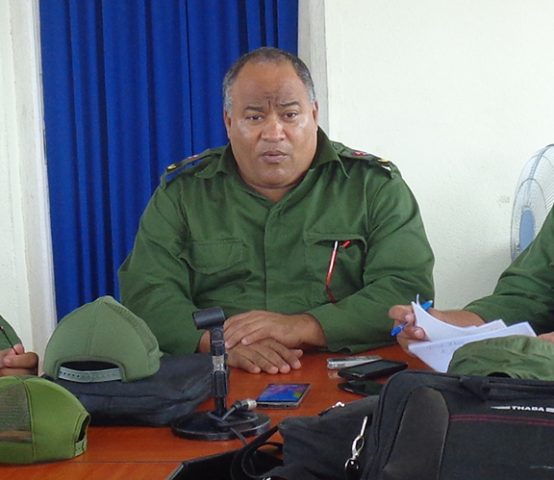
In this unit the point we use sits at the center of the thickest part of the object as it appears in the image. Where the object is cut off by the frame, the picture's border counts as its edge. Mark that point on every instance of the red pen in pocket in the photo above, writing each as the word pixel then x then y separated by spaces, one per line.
pixel 331 268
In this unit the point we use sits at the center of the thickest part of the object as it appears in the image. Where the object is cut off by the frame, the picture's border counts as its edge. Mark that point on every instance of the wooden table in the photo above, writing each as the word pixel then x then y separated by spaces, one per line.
pixel 154 452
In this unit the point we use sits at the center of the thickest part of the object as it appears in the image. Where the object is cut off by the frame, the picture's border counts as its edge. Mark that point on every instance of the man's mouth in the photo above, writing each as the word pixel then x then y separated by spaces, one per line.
pixel 274 156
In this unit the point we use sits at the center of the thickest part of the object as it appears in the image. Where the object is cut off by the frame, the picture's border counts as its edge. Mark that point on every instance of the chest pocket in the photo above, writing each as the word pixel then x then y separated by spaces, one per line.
pixel 211 257
pixel 349 263
pixel 218 270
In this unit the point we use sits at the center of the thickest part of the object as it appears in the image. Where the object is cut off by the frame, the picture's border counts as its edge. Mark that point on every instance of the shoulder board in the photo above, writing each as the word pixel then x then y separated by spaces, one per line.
pixel 346 152
pixel 187 164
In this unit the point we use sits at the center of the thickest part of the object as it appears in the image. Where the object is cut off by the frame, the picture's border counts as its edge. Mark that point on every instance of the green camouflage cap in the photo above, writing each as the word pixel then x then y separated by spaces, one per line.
pixel 99 342
pixel 39 421
pixel 515 356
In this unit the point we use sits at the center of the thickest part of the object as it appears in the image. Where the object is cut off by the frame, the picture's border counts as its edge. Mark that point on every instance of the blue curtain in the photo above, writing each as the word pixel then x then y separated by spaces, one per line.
pixel 131 86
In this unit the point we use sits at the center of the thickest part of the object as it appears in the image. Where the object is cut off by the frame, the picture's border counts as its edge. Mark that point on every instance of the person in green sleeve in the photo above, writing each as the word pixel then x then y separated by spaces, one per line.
pixel 13 358
pixel 524 292
pixel 303 242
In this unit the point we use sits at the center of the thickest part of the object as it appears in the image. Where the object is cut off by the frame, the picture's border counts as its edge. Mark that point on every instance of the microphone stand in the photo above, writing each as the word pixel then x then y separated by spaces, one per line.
pixel 220 383
pixel 221 423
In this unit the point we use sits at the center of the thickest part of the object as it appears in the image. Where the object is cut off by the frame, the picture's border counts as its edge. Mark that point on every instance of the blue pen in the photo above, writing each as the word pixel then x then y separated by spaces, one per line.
pixel 427 305
pixel 396 330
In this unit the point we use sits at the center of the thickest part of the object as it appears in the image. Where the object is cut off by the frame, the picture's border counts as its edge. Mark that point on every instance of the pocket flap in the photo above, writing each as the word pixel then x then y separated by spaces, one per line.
pixel 213 256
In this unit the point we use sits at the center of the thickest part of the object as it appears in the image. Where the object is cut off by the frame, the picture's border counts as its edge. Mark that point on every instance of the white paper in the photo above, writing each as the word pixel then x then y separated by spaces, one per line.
pixel 437 354
pixel 438 330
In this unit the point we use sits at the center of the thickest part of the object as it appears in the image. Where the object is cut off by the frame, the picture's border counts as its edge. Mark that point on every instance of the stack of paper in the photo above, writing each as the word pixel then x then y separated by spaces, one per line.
pixel 445 338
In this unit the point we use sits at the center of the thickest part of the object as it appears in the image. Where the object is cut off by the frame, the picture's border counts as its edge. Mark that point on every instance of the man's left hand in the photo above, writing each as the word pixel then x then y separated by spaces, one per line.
pixel 293 331
pixel 15 361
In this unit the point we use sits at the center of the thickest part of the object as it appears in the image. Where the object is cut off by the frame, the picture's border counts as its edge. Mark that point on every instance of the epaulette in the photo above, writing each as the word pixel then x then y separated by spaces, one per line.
pixel 187 164
pixel 344 151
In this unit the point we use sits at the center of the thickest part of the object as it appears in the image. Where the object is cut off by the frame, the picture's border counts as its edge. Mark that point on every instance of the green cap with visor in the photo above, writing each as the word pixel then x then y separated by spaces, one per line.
pixel 99 342
pixel 39 421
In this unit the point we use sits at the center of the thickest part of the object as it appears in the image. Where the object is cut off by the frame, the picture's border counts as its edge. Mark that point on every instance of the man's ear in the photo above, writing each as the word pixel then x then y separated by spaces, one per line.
pixel 227 120
pixel 315 112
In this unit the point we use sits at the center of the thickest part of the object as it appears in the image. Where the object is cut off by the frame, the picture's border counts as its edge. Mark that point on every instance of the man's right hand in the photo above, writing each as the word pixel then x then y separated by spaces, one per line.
pixel 266 355
pixel 404 315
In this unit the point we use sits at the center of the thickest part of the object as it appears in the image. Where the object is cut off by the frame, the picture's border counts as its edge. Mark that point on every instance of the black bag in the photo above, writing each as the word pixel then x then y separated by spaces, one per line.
pixel 175 390
pixel 440 426
pixel 315 447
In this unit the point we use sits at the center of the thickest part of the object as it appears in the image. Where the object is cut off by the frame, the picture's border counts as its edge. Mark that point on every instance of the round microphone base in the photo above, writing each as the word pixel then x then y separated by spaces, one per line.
pixel 206 426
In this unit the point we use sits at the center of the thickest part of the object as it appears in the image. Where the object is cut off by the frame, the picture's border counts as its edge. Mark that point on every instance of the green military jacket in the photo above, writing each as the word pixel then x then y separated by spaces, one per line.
pixel 207 239
pixel 525 291
pixel 10 332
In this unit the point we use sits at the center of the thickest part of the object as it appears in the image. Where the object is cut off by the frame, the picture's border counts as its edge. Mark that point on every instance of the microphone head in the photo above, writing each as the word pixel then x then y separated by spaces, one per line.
pixel 208 318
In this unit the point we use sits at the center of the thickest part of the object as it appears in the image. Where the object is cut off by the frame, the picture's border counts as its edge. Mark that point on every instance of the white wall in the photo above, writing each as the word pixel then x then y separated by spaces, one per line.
pixel 313 51
pixel 459 94
pixel 26 279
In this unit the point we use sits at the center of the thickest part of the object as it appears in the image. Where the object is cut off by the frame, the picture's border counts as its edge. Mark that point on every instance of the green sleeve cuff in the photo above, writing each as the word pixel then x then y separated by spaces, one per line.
pixel 10 332
pixel 354 338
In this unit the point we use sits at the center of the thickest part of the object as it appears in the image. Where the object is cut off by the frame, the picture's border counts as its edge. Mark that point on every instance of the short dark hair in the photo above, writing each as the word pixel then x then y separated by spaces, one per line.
pixel 272 55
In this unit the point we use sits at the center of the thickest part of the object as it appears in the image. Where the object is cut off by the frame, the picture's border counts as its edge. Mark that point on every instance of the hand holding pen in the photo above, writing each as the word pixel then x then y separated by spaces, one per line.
pixel 399 328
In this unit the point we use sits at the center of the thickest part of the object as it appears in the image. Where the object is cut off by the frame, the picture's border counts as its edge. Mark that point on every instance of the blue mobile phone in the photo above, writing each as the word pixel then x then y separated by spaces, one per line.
pixel 282 395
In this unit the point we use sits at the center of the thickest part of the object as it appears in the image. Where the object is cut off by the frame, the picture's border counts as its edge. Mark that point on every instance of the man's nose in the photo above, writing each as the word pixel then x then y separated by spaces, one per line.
pixel 273 128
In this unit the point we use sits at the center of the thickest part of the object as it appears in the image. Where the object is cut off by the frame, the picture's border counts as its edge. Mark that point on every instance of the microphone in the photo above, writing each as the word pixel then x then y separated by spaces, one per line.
pixel 221 424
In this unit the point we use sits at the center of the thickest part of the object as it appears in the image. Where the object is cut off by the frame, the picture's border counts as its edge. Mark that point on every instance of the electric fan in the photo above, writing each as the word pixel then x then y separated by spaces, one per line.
pixel 533 198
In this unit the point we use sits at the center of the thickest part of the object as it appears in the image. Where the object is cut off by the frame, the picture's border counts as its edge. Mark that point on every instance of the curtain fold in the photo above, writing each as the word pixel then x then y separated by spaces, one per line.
pixel 131 86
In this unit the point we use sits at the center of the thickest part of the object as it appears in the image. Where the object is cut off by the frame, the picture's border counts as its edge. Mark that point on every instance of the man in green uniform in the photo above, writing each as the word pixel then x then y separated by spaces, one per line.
pixel 303 242
pixel 524 292
pixel 13 358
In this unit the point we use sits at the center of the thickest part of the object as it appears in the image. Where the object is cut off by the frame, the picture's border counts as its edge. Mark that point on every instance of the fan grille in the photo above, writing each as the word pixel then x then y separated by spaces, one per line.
pixel 533 199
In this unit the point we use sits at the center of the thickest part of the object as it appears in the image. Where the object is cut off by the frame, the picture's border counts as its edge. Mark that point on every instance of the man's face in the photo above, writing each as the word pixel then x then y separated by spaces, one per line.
pixel 272 127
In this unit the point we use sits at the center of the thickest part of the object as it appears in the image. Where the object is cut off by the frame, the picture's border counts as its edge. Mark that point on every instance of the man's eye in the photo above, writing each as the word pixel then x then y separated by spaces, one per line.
pixel 254 118
pixel 291 115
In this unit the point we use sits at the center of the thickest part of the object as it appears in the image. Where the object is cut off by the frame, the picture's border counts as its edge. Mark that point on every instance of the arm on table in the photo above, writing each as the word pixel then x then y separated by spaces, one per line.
pixel 154 282
pixel 524 290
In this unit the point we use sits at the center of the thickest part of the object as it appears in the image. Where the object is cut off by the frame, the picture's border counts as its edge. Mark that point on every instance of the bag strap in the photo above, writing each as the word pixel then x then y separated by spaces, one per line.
pixel 483 387
pixel 243 464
